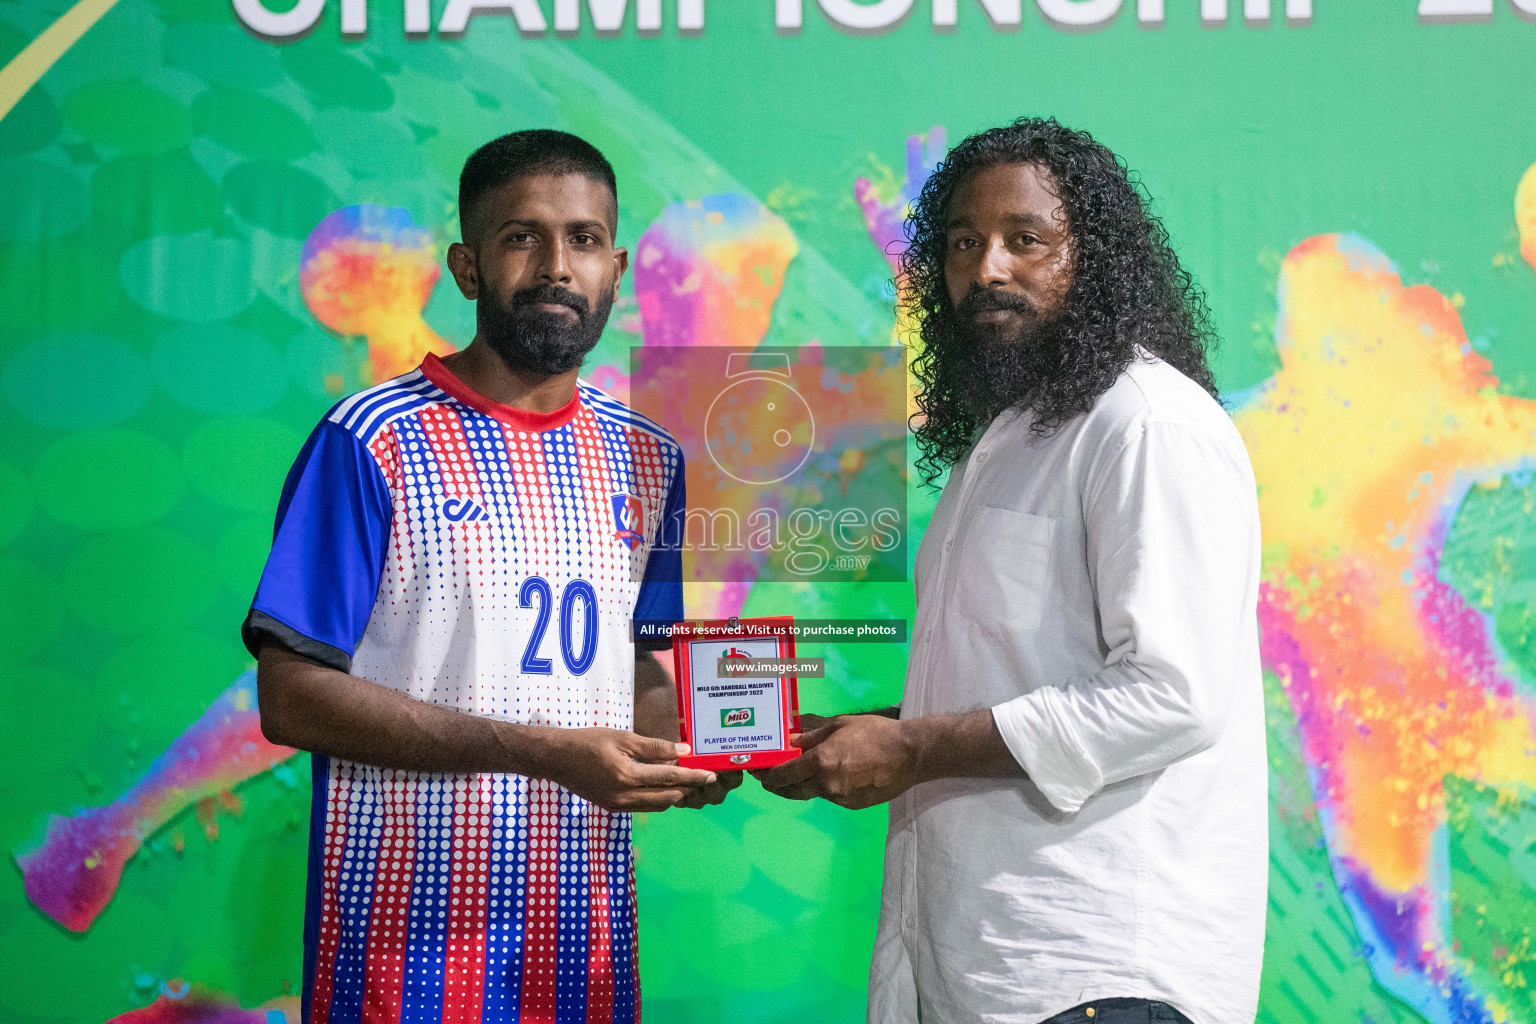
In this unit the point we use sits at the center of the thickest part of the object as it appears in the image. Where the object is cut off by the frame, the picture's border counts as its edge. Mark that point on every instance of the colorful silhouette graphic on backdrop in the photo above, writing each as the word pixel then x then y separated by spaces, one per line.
pixel 708 274
pixel 74 874
pixel 368 271
pixel 1366 443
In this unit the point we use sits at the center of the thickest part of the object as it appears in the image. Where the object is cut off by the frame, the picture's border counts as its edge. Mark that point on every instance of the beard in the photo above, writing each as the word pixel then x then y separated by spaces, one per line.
pixel 999 363
pixel 538 341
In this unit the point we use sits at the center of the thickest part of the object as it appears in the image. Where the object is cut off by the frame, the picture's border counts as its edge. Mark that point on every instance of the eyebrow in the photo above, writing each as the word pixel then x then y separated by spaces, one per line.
pixel 1031 219
pixel 574 225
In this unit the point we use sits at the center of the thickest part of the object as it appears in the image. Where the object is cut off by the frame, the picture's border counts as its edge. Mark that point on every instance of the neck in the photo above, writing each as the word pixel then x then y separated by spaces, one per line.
pixel 488 374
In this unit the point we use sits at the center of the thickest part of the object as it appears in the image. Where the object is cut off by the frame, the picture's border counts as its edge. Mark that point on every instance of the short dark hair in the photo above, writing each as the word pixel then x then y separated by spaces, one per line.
pixel 525 153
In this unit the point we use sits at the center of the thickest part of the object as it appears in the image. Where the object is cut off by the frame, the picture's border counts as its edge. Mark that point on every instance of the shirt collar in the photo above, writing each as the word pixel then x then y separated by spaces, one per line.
pixel 521 419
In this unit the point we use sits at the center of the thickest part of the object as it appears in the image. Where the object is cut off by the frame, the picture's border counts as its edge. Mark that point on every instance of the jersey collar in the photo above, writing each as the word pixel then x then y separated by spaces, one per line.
pixel 521 419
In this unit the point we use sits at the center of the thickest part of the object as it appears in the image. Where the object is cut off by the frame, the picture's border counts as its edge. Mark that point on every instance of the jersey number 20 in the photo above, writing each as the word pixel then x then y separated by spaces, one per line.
pixel 576 662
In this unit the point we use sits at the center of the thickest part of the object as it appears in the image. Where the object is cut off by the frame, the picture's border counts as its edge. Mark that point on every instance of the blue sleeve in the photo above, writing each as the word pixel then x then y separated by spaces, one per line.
pixel 661 589
pixel 322 577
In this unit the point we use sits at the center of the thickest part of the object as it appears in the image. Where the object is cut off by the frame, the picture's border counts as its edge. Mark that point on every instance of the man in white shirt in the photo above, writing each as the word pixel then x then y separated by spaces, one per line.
pixel 1076 773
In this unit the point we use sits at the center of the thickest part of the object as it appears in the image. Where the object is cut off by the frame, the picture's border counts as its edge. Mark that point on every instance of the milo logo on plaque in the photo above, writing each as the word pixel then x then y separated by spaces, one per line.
pixel 736 716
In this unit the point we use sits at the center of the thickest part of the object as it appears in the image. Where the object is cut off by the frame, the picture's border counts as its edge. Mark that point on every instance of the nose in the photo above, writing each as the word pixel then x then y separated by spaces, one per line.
pixel 992 268
pixel 555 267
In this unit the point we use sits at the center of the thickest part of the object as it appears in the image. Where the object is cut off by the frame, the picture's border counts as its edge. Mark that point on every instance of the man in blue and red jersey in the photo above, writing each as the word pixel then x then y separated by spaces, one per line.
pixel 445 621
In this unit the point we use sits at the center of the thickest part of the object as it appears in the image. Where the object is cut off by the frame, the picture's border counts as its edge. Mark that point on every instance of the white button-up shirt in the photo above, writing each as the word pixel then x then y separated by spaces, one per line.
pixel 1097 591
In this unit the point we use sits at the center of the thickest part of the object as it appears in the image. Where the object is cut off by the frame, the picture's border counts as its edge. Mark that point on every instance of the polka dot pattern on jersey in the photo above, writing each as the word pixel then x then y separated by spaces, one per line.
pixel 507 591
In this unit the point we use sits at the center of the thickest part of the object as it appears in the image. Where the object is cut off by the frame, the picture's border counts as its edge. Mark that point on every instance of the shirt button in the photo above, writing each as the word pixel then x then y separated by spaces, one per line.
pixel 949 544
pixel 981 456
pixel 1089 1011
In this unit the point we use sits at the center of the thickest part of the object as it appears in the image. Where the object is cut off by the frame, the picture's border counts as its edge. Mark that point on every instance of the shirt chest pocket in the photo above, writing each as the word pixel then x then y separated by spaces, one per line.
pixel 1005 570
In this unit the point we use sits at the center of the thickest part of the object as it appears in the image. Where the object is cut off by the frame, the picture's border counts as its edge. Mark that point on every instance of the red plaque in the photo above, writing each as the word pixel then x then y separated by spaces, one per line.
pixel 734 721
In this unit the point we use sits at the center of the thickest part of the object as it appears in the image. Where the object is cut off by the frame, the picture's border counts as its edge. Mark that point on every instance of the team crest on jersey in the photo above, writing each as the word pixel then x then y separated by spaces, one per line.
pixel 628 519
pixel 462 510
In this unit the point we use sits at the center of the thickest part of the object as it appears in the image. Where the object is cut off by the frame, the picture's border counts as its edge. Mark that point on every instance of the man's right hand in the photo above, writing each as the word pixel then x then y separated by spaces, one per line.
pixel 618 770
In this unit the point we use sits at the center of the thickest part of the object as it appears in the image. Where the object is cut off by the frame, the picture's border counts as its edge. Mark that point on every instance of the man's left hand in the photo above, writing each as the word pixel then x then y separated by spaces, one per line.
pixel 852 760
pixel 712 793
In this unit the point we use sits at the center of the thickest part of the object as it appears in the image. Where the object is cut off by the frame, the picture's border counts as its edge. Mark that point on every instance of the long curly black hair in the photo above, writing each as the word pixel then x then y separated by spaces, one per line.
pixel 1128 290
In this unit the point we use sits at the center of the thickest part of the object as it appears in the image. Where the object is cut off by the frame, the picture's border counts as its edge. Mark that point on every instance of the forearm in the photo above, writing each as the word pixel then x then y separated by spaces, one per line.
pixel 655 699
pixel 860 760
pixel 312 707
pixel 965 745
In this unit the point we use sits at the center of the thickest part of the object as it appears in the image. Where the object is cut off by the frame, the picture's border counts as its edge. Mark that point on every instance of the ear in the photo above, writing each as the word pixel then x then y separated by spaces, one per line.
pixel 620 264
pixel 465 270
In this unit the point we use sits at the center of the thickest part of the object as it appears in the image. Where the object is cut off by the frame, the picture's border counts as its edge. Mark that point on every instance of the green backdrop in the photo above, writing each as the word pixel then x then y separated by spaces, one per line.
pixel 1344 186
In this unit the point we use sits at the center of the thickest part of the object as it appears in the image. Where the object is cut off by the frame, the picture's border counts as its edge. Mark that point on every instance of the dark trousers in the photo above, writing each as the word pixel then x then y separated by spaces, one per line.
pixel 1120 1011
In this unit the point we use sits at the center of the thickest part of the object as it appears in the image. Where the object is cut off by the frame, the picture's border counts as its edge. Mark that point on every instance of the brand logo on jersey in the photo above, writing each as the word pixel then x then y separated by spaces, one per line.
pixel 730 717
pixel 628 519
pixel 462 510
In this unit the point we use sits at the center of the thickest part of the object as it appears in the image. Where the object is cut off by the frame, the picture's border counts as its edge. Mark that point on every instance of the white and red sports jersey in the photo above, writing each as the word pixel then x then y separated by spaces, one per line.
pixel 488 559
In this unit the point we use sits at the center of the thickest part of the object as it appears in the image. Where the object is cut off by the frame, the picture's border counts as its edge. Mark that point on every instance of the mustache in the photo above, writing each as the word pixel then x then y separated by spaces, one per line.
pixel 550 293
pixel 987 300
